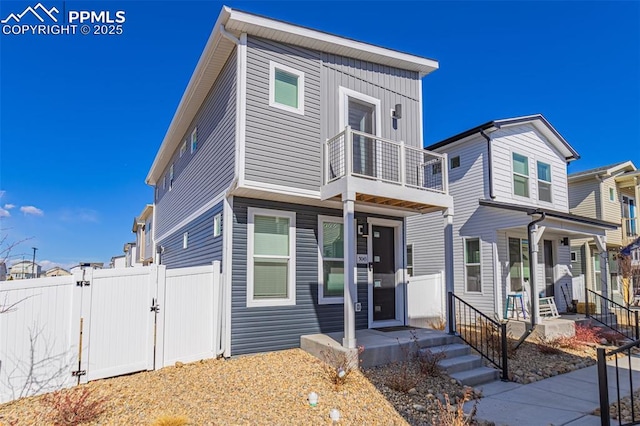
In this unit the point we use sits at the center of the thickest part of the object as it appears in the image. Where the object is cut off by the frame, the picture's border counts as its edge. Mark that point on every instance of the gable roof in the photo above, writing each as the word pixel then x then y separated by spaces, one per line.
pixel 537 120
pixel 626 166
pixel 233 22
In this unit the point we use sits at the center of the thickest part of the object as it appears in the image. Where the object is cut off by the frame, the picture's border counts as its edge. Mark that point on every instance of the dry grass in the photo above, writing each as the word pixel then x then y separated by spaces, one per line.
pixel 454 415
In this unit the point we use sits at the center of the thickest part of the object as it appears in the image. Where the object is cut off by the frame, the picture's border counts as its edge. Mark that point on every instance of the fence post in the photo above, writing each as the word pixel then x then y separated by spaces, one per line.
pixel 159 275
pixel 505 352
pixel 603 388
pixel 217 313
pixel 452 325
pixel 586 300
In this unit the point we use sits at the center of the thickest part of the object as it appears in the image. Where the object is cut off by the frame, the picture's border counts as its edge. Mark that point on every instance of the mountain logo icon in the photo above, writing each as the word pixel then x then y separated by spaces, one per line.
pixel 38 11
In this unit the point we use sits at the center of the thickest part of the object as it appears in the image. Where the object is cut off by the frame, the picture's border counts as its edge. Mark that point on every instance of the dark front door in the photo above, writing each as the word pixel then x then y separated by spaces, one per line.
pixel 548 268
pixel 384 274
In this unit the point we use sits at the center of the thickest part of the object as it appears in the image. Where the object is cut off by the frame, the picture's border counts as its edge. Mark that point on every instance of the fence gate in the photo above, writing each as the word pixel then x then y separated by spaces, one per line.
pixel 118 322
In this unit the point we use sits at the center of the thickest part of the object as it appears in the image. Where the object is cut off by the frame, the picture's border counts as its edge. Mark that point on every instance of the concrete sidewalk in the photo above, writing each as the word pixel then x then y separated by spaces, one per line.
pixel 567 399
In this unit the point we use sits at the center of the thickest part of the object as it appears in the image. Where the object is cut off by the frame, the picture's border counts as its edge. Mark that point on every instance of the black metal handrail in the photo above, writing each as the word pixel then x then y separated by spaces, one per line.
pixel 609 313
pixel 484 334
pixel 603 384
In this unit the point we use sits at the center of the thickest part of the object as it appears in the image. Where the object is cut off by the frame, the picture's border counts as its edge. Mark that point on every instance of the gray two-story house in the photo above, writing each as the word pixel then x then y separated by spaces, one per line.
pixel 512 225
pixel 294 158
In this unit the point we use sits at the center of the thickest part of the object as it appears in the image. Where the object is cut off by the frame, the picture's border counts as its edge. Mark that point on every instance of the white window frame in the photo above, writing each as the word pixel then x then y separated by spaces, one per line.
pixel 194 140
pixel 451 161
pixel 252 212
pixel 183 148
pixel 544 181
pixel 147 233
pixel 217 221
pixel 185 240
pixel 528 177
pixel 413 256
pixel 574 256
pixel 612 194
pixel 170 177
pixel 465 264
pixel 329 300
pixel 272 87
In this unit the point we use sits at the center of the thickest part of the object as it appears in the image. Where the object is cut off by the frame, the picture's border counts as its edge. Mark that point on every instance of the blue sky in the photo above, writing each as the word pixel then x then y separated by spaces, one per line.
pixel 81 117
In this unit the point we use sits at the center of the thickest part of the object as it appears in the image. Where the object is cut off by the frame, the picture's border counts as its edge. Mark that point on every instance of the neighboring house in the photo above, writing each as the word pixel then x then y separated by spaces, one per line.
pixel 86 265
pixel 294 157
pixel 56 271
pixel 24 269
pixel 142 227
pixel 508 179
pixel 131 255
pixel 118 262
pixel 609 193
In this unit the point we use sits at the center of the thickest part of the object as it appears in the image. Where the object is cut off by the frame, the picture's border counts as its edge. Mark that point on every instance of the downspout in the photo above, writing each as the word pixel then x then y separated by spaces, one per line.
pixel 533 265
pixel 489 164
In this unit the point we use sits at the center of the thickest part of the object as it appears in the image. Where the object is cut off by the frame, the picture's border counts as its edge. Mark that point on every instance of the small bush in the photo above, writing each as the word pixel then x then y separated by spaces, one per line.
pixel 453 415
pixel 587 334
pixel 428 362
pixel 555 345
pixel 171 421
pixel 438 324
pixel 404 380
pixel 338 365
pixel 74 406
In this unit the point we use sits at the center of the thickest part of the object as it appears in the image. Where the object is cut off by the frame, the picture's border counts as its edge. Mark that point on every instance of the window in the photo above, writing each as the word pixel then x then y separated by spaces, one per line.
pixel 454 162
pixel 170 177
pixel 183 148
pixel 147 233
pixel 185 240
pixel 271 258
pixel 164 182
pixel 436 168
pixel 520 175
pixel 217 221
pixel 194 140
pixel 410 260
pixel 612 194
pixel 597 274
pixel 544 182
pixel 473 277
pixel 286 88
pixel 331 259
pixel 615 283
pixel 574 256
pixel 519 264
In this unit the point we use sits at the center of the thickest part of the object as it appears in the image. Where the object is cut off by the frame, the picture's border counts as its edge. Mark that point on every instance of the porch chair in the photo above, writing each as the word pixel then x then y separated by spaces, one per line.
pixel 548 307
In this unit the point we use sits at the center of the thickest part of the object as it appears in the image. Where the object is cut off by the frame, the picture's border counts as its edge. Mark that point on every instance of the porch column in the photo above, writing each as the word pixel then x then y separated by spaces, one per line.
pixel 601 244
pixel 448 267
pixel 350 285
pixel 534 245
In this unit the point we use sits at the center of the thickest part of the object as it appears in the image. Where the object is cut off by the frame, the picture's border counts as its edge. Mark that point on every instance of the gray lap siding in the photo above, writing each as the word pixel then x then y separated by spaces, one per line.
pixel 260 329
pixel 202 248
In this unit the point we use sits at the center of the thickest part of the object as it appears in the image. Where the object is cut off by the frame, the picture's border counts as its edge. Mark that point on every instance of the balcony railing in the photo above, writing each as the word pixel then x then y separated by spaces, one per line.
pixel 354 153
pixel 630 227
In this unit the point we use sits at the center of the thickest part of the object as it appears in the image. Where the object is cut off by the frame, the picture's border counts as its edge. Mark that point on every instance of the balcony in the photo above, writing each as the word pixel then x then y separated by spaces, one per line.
pixel 629 229
pixel 384 172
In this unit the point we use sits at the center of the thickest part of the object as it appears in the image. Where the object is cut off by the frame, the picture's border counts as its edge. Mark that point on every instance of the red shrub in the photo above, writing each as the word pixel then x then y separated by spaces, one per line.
pixel 587 333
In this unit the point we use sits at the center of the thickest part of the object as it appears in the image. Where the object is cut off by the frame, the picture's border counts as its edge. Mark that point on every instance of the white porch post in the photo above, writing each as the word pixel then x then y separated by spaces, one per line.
pixel 601 243
pixel 448 267
pixel 533 263
pixel 350 285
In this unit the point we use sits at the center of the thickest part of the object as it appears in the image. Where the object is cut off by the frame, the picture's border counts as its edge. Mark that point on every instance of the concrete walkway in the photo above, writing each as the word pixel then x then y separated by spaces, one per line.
pixel 567 399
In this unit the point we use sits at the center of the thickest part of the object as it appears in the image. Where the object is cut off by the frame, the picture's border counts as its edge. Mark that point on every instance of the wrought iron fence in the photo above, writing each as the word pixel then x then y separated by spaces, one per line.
pixel 624 417
pixel 611 314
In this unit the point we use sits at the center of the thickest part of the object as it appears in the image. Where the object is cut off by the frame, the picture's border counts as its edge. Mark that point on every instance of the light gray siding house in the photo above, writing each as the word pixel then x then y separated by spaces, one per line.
pixel 508 179
pixel 609 193
pixel 294 157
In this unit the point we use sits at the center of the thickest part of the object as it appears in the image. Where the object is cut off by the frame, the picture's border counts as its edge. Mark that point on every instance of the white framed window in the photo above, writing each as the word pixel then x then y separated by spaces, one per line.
pixel 286 88
pixel 612 194
pixel 519 271
pixel 147 233
pixel 454 162
pixel 615 282
pixel 544 182
pixel 330 260
pixel 520 175
pixel 185 240
pixel 170 177
pixel 183 148
pixel 271 258
pixel 574 256
pixel 597 272
pixel 217 225
pixel 410 260
pixel 472 265
pixel 194 140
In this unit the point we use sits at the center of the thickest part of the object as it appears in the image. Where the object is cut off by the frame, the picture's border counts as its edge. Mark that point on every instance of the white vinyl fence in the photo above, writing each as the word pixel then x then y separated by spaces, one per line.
pixel 60 331
pixel 577 288
pixel 426 300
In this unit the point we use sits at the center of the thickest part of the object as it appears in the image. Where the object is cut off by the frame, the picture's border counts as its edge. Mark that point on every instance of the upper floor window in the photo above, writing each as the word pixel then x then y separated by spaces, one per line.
pixel 544 182
pixel 194 140
pixel 217 225
pixel 286 88
pixel 612 194
pixel 183 148
pixel 147 233
pixel 520 175
pixel 454 162
pixel 170 177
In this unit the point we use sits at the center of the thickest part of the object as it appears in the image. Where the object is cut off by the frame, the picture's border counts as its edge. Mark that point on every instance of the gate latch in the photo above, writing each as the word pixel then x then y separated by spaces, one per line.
pixel 82 283
pixel 154 305
pixel 79 373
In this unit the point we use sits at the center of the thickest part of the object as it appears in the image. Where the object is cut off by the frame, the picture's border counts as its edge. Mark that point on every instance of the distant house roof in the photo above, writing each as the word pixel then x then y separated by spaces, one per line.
pixel 231 23
pixel 140 220
pixel 624 166
pixel 633 246
pixel 538 120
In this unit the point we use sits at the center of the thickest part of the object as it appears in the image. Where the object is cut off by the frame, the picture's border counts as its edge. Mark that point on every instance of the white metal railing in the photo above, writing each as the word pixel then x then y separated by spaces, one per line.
pixel 630 227
pixel 355 153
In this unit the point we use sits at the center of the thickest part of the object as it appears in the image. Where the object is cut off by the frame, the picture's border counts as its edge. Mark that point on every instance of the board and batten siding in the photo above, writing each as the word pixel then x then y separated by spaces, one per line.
pixel 202 247
pixel 259 329
pixel 282 147
pixel 200 176
pixel 526 140
pixel 391 86
pixel 584 198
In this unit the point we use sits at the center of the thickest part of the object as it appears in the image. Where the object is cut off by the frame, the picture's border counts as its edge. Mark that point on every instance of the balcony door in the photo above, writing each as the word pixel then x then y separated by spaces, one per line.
pixel 629 215
pixel 362 113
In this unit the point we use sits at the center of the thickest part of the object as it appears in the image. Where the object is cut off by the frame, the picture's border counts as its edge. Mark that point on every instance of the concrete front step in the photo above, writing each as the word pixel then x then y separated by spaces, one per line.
pixel 477 376
pixel 451 350
pixel 460 363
